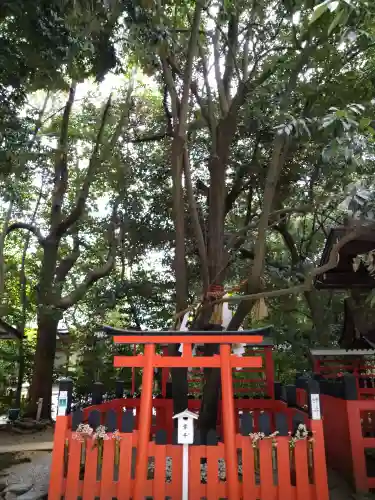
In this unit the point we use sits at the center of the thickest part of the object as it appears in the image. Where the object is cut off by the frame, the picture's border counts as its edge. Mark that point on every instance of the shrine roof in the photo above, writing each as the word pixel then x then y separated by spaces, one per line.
pixel 343 277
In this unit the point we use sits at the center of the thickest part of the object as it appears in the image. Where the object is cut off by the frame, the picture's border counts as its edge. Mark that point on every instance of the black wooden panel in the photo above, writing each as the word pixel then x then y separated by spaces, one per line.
pixel 127 422
pixel 94 419
pixel 211 438
pixel 291 395
pixel 281 424
pixel 111 421
pixel 119 388
pixel 161 437
pixel 265 423
pixel 246 424
pixel 77 418
pixel 350 387
pixel 97 393
pixel 278 386
pixel 197 437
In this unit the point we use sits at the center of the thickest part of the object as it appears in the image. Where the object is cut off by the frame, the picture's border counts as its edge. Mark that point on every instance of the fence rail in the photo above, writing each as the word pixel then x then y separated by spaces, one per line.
pixel 163 412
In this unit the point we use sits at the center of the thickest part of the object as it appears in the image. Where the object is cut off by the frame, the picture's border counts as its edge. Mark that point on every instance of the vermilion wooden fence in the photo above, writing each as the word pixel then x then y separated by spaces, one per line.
pixel 349 430
pixel 269 471
pixel 120 469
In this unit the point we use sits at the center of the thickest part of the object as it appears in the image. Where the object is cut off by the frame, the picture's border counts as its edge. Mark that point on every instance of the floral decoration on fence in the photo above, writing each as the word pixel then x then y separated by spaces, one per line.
pixel 85 432
pixel 301 433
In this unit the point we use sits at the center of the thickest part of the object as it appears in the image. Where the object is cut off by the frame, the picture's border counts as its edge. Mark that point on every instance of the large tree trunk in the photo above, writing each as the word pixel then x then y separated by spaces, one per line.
pixel 215 251
pixel 48 319
pixel 41 385
pixel 179 375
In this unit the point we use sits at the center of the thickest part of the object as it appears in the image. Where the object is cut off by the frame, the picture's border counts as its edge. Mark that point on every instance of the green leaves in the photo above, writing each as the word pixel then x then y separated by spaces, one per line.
pixel 336 21
pixel 341 8
pixel 319 10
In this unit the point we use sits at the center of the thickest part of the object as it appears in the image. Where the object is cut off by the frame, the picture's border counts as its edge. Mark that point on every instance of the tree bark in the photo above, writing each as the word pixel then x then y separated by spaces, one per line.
pixel 2 245
pixel 41 385
pixel 48 319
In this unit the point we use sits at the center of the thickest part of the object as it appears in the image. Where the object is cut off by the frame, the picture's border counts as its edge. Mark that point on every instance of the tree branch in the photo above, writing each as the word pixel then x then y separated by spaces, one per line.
pixel 238 182
pixel 60 183
pixel 196 224
pixel 309 279
pixel 305 286
pixel 303 209
pixel 77 210
pixel 98 272
pixel 29 227
pixel 151 138
pixel 209 113
pixel 224 105
pixel 191 51
pixel 230 60
pixel 68 262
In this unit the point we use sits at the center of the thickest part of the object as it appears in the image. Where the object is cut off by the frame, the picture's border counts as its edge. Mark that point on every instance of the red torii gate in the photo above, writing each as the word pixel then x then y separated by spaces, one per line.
pixel 224 360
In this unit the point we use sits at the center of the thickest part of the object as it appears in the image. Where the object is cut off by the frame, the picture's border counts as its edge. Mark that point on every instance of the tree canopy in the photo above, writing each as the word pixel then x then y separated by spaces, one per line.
pixel 233 132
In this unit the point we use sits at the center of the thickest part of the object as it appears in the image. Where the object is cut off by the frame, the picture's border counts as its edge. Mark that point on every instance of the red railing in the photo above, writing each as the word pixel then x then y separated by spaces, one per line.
pixel 349 432
pixel 272 470
pixel 163 412
pixel 363 370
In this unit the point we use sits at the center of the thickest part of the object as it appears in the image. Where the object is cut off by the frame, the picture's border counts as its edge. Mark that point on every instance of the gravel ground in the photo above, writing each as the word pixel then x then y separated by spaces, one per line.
pixel 30 479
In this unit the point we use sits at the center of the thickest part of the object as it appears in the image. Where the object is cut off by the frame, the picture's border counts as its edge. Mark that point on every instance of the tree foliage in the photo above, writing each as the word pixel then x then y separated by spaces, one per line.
pixel 246 124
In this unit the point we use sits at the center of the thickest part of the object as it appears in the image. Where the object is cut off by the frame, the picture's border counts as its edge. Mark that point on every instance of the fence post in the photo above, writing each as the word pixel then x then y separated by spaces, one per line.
pixel 355 433
pixel 302 381
pixel 278 390
pixel 319 458
pixel 97 393
pixel 65 394
pixel 291 395
pixel 119 389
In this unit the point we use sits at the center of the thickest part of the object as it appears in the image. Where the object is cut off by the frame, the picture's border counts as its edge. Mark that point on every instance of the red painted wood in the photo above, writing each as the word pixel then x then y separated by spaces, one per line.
pixel 55 490
pixel 181 362
pixel 357 443
pixel 159 487
pixel 248 471
pixel 213 453
pixel 183 339
pixel 302 471
pixel 266 473
pixel 175 452
pixel 284 490
pixel 319 460
pixel 124 484
pixel 107 484
pixel 195 454
pixel 91 463
pixel 74 462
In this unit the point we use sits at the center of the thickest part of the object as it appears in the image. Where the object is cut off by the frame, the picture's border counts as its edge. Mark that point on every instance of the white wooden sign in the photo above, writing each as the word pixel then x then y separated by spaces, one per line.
pixel 185 427
pixel 62 404
pixel 315 407
pixel 185 436
pixel 185 431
